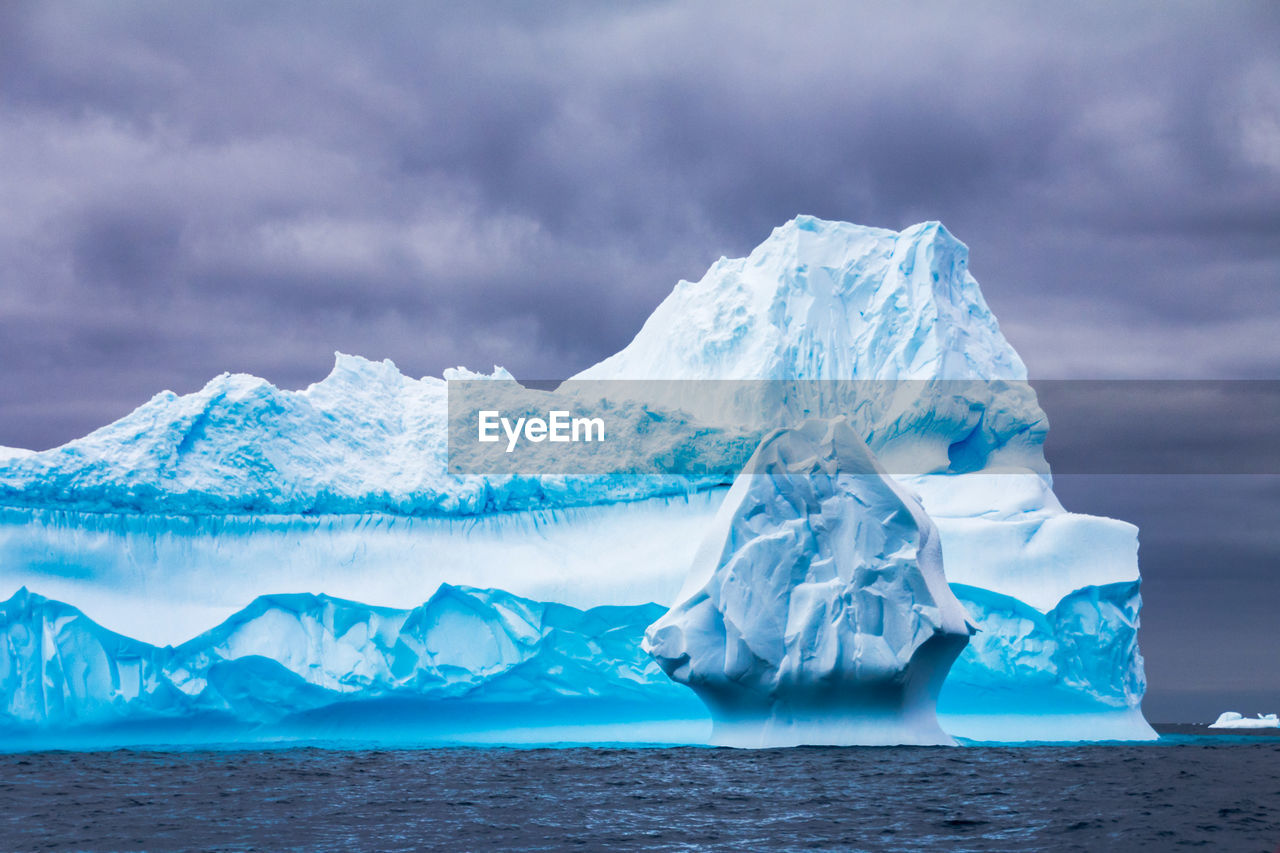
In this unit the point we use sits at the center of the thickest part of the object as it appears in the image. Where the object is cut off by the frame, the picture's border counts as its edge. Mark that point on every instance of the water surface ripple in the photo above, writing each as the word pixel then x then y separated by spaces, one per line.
pixel 1219 796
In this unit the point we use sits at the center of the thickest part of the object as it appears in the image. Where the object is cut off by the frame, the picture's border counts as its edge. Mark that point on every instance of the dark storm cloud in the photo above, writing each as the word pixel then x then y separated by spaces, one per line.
pixel 249 186
pixel 1208 547
pixel 1162 426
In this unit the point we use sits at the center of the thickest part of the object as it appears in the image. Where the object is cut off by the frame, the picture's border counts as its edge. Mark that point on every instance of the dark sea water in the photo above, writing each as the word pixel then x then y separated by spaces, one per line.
pixel 1185 792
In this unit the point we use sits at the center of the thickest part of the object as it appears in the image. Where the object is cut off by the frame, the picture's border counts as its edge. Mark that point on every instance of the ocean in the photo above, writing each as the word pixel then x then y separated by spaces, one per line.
pixel 1216 793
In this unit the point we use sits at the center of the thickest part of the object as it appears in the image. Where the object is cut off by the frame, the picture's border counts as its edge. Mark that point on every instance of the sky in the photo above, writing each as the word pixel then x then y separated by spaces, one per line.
pixel 188 189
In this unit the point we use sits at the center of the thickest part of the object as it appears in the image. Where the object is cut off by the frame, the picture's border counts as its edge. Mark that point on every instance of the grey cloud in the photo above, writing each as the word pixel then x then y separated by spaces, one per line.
pixel 502 166
pixel 1207 552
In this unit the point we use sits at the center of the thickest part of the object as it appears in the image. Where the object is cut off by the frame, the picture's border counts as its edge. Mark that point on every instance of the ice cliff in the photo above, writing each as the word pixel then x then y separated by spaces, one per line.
pixel 298 661
pixel 171 520
pixel 816 611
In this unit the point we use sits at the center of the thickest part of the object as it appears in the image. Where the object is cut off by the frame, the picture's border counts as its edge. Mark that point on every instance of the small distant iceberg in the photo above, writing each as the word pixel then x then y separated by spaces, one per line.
pixel 1232 720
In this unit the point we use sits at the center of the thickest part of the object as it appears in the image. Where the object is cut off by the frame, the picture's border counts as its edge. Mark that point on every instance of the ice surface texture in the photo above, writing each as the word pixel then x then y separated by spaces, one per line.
pixel 366 439
pixel 826 300
pixel 834 301
pixel 286 655
pixel 816 611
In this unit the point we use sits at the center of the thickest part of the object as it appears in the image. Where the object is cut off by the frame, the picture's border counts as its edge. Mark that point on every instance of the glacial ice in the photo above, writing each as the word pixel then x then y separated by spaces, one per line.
pixel 816 610
pixel 167 521
pixel 287 661
pixel 1061 675
pixel 1236 720
pixel 900 311
pixel 825 300
pixel 364 440
pixel 159 577
pixel 58 665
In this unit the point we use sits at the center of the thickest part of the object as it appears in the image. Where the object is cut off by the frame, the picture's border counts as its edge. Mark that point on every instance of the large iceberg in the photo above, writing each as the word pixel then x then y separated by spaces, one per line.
pixel 173 519
pixel 817 611
pixel 885 314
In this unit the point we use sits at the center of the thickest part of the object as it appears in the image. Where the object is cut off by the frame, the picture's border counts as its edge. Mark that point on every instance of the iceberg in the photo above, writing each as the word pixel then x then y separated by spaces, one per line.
pixel 1236 720
pixel 60 666
pixel 1048 676
pixel 181 511
pixel 300 663
pixel 816 611
pixel 886 311
pixel 164 524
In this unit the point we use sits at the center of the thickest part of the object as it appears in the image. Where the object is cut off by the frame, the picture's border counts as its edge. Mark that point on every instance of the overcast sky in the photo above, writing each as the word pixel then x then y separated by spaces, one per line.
pixel 187 189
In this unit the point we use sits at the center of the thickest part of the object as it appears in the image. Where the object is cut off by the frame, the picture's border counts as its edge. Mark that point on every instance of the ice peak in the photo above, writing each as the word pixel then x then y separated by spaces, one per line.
pixel 450 590
pixel 236 386
pixel 809 241
pixel 461 373
pixel 496 605
pixel 21 598
pixel 294 602
pixel 821 299
pixel 805 222
pixel 355 367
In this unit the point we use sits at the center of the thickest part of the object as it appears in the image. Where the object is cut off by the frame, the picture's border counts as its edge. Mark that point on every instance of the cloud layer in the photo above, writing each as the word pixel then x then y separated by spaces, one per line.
pixel 236 186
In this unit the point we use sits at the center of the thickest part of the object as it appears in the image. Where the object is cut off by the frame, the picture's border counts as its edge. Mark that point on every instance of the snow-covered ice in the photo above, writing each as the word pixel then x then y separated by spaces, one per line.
pixel 816 610
pixel 900 312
